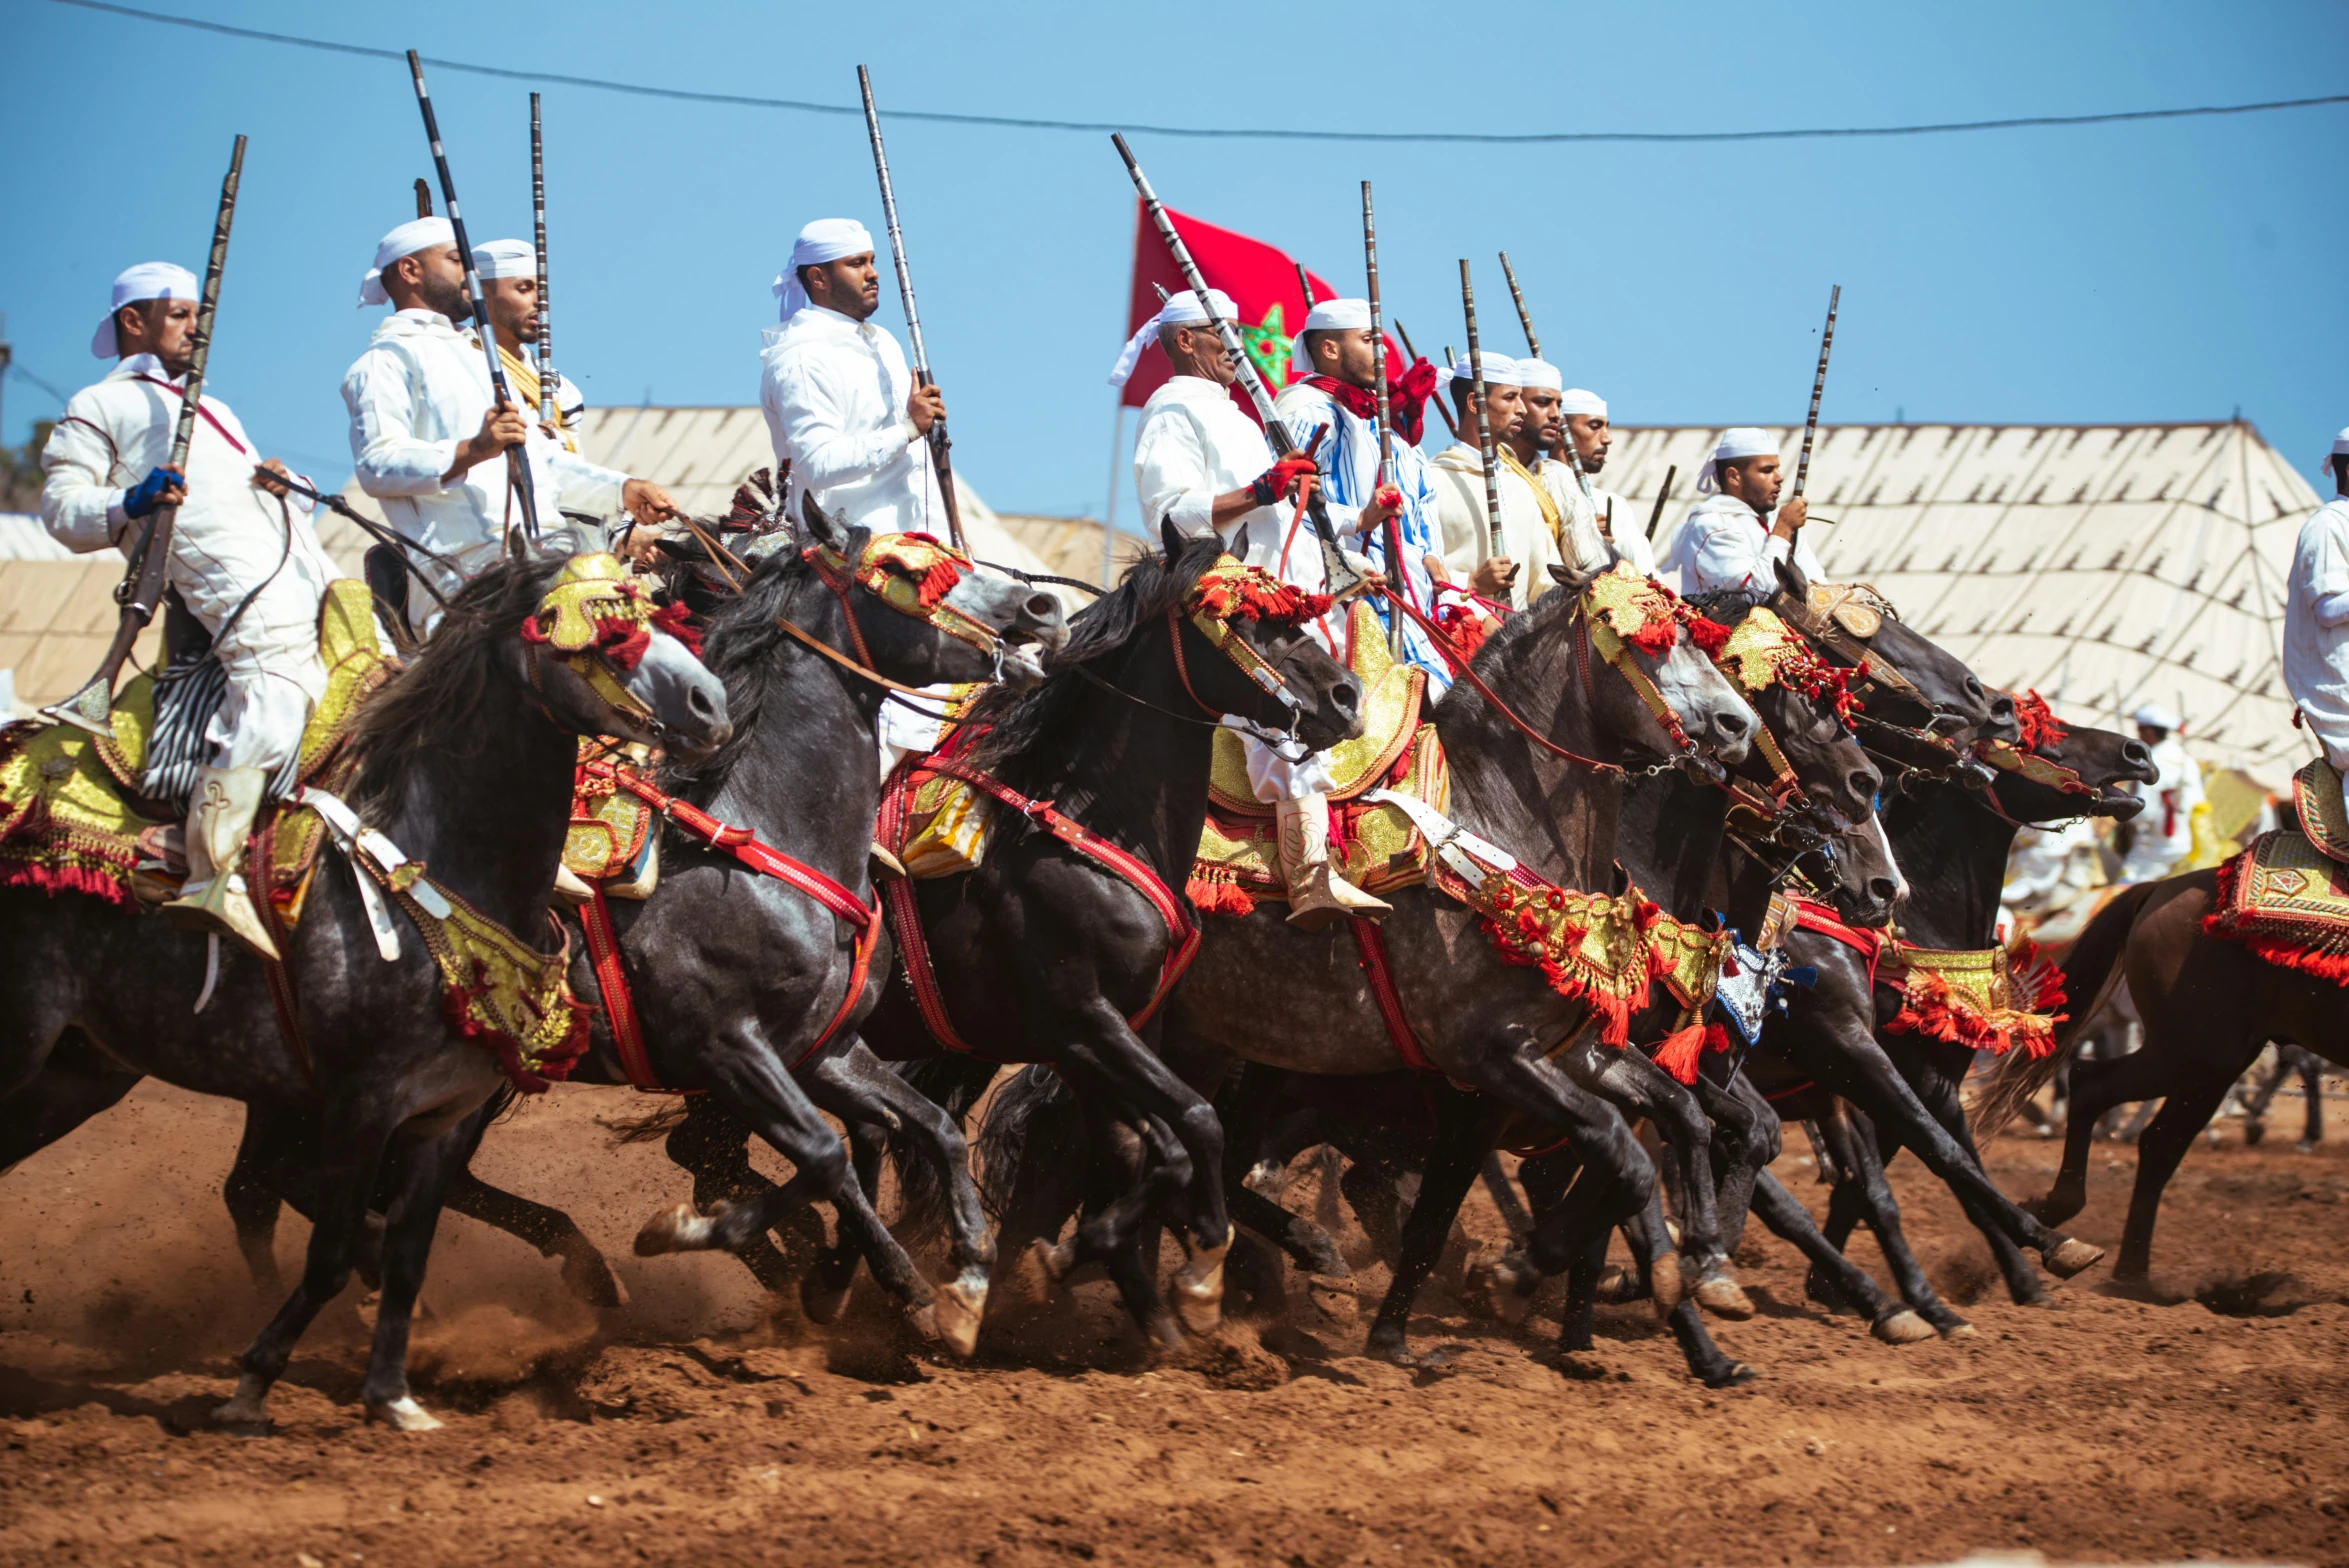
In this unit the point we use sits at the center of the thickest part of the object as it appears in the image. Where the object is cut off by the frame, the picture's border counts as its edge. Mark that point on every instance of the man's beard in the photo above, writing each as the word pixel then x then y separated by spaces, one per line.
pixel 449 299
pixel 1591 465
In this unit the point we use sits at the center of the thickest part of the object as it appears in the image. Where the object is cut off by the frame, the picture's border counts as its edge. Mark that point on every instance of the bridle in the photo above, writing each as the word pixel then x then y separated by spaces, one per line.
pixel 599 621
pixel 1231 590
pixel 911 573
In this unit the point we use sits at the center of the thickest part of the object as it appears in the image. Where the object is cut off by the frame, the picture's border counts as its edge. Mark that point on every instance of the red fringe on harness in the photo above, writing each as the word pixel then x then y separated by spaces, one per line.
pixel 678 622
pixel 1255 596
pixel 1219 898
pixel 1931 1006
pixel 2323 962
pixel 1655 636
pixel 2039 724
pixel 1709 636
pixel 455 1004
pixel 54 880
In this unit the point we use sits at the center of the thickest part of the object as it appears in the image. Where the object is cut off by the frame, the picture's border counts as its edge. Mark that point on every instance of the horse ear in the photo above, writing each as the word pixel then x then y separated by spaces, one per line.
pixel 1791 578
pixel 1173 539
pixel 821 526
pixel 1572 581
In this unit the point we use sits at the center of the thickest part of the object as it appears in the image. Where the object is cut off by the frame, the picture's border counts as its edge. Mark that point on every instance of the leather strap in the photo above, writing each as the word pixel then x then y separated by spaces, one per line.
pixel 611 982
pixel 283 999
pixel 1811 915
pixel 1371 945
pixel 209 417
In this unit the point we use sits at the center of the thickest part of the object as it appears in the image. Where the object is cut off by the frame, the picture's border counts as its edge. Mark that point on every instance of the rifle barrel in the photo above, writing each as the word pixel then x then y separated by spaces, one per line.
pixel 1484 424
pixel 517 467
pixel 1397 570
pixel 141 589
pixel 1524 318
pixel 1662 496
pixel 941 448
pixel 546 322
pixel 1802 467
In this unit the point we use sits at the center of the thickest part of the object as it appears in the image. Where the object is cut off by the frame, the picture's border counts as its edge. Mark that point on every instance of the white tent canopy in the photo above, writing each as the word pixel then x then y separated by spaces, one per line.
pixel 2104 566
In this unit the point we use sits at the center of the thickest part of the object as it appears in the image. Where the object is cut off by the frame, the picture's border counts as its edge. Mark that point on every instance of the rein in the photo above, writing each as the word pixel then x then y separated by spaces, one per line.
pixel 1442 641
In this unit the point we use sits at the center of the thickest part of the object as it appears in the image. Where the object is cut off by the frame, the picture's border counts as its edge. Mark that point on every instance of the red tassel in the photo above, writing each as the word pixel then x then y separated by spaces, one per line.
pixel 1219 898
pixel 1656 636
pixel 938 582
pixel 1716 1037
pixel 1680 1051
pixel 678 622
pixel 1711 636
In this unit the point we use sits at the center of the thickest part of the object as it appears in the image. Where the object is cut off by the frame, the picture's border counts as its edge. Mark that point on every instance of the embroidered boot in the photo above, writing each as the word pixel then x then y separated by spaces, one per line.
pixel 220 820
pixel 1317 894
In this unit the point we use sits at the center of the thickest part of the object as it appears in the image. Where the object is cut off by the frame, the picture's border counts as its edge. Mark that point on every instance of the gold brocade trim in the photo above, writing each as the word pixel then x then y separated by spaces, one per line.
pixel 1760 647
pixel 500 992
pixel 1627 603
pixel 1375 847
pixel 1392 700
pixel 1590 947
pixel 2316 792
pixel 1687 958
pixel 1963 995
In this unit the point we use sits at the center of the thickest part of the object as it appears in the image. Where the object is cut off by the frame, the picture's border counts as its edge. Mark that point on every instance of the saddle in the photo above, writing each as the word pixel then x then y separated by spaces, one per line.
pixel 1374 845
pixel 2316 795
pixel 2287 898
pixel 100 815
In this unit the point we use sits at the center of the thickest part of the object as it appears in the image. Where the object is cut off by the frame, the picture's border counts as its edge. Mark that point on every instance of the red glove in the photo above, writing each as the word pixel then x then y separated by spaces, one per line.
pixel 1282 479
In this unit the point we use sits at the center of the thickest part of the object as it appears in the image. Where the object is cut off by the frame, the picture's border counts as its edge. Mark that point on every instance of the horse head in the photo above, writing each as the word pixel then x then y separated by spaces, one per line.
pixel 2055 770
pixel 1672 702
pixel 1805 753
pixel 921 612
pixel 603 659
pixel 1906 681
pixel 1854 872
pixel 1241 650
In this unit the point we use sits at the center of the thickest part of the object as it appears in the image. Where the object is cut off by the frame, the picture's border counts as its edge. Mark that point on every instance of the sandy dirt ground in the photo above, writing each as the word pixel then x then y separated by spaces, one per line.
pixel 695 1427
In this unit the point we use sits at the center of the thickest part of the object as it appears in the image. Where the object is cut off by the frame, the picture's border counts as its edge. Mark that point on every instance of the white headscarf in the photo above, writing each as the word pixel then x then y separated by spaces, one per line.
pixel 2340 446
pixel 826 239
pixel 1180 310
pixel 148 280
pixel 1744 441
pixel 410 237
pixel 505 259
pixel 2154 716
pixel 1534 373
pixel 1588 404
pixel 1331 315
pixel 1499 371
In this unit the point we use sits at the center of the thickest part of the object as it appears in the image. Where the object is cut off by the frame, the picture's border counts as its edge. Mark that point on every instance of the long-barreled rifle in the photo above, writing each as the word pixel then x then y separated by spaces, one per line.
pixel 547 412
pixel 941 449
pixel 141 590
pixel 1396 567
pixel 1484 422
pixel 1525 320
pixel 1802 465
pixel 1662 496
pixel 1340 578
pixel 518 480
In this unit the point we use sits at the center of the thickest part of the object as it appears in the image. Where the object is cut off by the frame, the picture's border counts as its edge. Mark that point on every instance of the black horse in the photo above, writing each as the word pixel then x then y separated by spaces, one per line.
pixel 464 762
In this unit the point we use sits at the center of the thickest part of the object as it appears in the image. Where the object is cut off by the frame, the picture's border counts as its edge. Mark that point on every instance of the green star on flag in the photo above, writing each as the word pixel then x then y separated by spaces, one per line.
pixel 1268 345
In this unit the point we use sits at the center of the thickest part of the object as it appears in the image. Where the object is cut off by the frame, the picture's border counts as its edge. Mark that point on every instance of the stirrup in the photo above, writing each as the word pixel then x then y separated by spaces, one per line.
pixel 222 907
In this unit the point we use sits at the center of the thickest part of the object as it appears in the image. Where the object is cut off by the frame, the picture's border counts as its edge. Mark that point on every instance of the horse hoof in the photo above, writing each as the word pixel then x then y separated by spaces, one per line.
pixel 1037 1272
pixel 1721 1296
pixel 1502 1285
pixel 1333 1297
pixel 1199 1290
pixel 1665 1284
pixel 1617 1285
pixel 1390 1347
pixel 403 1415
pixel 1738 1375
pixel 2069 1256
pixel 675 1230
pixel 958 1308
pixel 1960 1331
pixel 1902 1328
pixel 587 1276
pixel 246 1413
pixel 1164 1333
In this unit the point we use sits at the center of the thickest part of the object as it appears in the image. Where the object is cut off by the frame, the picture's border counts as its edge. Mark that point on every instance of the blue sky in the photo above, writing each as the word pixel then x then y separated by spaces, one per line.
pixel 2171 270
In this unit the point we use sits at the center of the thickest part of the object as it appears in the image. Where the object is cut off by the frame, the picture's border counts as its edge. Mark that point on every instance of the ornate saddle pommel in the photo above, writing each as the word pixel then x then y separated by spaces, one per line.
pixel 594 604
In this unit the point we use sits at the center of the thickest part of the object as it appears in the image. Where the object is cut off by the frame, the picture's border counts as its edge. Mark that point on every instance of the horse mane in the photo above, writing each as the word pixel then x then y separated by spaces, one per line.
pixel 1027 732
pixel 739 635
pixel 434 704
pixel 1514 628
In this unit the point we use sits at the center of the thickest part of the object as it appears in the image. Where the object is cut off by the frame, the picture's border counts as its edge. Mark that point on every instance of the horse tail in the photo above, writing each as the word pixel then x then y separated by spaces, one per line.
pixel 1023 1115
pixel 2092 972
pixel 954 1084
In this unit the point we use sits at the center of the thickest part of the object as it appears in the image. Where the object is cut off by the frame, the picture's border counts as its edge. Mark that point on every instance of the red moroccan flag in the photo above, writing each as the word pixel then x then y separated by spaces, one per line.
pixel 1260 278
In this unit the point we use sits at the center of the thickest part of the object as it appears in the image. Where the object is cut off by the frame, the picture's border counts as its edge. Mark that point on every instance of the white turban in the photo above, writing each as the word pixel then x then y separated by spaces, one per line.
pixel 1331 315
pixel 2340 444
pixel 1180 310
pixel 1744 441
pixel 2155 717
pixel 406 240
pixel 1539 373
pixel 1499 371
pixel 1588 404
pixel 826 239
pixel 147 280
pixel 505 259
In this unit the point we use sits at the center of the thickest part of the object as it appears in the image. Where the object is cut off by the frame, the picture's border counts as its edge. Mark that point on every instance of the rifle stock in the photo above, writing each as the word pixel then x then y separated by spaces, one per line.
pixel 141 590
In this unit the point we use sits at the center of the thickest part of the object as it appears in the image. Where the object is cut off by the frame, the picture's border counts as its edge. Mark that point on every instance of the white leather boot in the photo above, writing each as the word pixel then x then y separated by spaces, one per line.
pixel 1317 894
pixel 220 821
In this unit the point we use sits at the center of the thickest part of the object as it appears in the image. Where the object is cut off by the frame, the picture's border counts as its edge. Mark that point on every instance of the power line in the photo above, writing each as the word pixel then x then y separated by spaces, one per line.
pixel 1211 133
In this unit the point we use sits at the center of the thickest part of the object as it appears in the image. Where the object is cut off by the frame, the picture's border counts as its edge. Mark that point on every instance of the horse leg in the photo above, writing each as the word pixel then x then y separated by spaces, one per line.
pixel 554 1233
pixel 253 1207
pixel 1787 1219
pixel 1462 1137
pixel 72 1085
pixel 1638 1086
pixel 1938 1091
pixel 1883 1215
pixel 351 1143
pixel 420 1177
pixel 2262 1095
pixel 2312 1084
pixel 710 1145
pixel 2185 1111
pixel 1746 1139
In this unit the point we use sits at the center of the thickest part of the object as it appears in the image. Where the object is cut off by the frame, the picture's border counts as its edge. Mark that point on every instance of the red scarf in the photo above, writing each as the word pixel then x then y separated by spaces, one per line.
pixel 1407 397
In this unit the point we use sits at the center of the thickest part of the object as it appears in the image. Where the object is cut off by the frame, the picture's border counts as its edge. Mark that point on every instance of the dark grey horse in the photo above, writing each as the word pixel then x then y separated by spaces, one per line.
pixel 465 761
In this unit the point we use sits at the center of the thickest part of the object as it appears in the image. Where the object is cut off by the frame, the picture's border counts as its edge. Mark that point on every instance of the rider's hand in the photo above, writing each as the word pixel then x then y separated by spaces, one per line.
pixel 1382 508
pixel 648 502
pixel 925 406
pixel 639 546
pixel 1283 479
pixel 270 478
pixel 502 427
pixel 161 487
pixel 1493 577
pixel 1789 521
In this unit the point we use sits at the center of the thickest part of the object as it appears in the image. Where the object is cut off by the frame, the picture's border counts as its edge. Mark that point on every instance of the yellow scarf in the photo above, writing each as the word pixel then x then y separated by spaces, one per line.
pixel 1541 494
pixel 522 376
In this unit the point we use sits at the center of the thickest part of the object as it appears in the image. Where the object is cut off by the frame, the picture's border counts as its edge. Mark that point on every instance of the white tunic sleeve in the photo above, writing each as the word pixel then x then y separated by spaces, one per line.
pixel 813 413
pixel 81 506
pixel 387 455
pixel 1171 470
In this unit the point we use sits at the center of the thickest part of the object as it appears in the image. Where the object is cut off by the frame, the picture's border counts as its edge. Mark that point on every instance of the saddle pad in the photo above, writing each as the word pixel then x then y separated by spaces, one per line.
pixel 2289 902
pixel 2316 793
pixel 1376 847
pixel 1392 696
pixel 945 831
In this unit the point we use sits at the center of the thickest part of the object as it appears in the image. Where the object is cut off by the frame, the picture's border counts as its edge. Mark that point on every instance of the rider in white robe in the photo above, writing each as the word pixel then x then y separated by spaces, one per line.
pixel 1526 540
pixel 244 561
pixel 1730 538
pixel 2316 617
